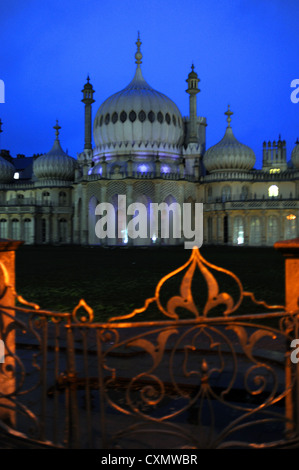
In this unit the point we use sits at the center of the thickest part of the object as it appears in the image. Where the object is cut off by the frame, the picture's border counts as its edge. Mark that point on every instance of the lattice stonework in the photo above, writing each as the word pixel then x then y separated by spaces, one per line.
pixel 94 189
pixel 115 187
pixel 169 188
pixel 146 188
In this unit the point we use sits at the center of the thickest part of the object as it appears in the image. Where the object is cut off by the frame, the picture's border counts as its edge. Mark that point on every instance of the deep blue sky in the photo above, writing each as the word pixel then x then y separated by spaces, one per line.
pixel 245 53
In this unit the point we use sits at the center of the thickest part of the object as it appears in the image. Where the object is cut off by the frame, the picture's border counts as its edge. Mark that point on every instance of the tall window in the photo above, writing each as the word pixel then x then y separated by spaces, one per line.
pixel 255 231
pixel 15 229
pixel 27 230
pixel 272 229
pixel 244 193
pixel 62 198
pixel 210 229
pixel 46 198
pixel 3 228
pixel 44 231
pixel 291 226
pixel 273 191
pixel 226 193
pixel 238 233
pixel 62 230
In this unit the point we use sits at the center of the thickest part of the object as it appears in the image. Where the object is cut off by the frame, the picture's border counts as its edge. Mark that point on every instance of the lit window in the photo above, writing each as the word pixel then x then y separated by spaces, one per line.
pixel 165 169
pixel 291 217
pixel 274 170
pixel 273 191
pixel 16 175
pixel 143 168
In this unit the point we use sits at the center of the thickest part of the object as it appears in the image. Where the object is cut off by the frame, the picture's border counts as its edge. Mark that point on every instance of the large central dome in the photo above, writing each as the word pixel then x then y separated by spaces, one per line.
pixel 138 118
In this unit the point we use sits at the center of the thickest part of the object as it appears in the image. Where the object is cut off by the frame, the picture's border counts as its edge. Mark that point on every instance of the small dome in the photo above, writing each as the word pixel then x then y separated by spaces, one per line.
pixel 137 116
pixel 229 154
pixel 7 171
pixel 295 155
pixel 55 164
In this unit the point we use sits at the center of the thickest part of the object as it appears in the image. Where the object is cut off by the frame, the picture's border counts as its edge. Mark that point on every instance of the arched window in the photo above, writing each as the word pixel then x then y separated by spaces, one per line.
pixel 3 228
pixel 290 226
pixel 62 230
pixel 226 193
pixel 273 191
pixel 272 230
pixel 27 230
pixel 210 194
pixel 255 231
pixel 238 231
pixel 62 198
pixel 44 230
pixel 244 193
pixel 46 198
pixel 15 229
pixel 210 229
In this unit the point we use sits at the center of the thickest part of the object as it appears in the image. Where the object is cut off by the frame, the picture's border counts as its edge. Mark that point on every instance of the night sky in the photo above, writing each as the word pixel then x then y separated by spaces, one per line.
pixel 245 53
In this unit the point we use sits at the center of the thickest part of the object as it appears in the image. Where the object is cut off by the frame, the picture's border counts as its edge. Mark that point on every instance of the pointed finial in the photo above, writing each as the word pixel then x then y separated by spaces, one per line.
pixel 138 55
pixel 228 113
pixel 192 67
pixel 57 127
pixel 297 141
pixel 88 78
pixel 1 126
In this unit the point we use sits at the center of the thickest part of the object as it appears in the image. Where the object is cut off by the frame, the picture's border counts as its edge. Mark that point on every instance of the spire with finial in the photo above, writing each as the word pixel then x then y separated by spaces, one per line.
pixel 57 127
pixel 192 91
pixel 138 55
pixel 228 113
pixel 1 126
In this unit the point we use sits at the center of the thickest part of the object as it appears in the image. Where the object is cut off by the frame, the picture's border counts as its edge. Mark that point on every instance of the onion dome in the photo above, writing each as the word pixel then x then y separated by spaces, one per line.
pixel 295 155
pixel 56 164
pixel 7 171
pixel 137 117
pixel 229 154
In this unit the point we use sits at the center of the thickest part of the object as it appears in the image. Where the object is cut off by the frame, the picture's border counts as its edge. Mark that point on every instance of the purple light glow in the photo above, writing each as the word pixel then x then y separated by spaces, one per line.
pixel 143 168
pixel 165 169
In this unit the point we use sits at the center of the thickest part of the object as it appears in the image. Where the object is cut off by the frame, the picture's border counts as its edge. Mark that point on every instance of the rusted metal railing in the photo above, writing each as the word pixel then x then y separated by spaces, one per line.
pixel 200 376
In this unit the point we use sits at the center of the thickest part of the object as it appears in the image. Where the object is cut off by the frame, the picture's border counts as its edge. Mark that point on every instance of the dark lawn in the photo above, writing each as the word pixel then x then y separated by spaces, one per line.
pixel 115 281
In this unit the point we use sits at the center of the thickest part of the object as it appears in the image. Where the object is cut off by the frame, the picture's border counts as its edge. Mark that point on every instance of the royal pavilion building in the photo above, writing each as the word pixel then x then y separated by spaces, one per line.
pixel 146 150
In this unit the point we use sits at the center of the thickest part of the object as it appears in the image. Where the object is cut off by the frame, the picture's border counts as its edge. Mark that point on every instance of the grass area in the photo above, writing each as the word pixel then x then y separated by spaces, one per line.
pixel 115 281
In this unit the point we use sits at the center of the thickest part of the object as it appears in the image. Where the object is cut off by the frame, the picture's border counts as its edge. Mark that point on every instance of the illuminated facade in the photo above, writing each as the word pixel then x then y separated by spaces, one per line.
pixel 146 150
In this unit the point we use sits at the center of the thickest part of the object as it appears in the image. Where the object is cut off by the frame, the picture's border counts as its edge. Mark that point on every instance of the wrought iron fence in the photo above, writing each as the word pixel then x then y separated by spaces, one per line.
pixel 209 379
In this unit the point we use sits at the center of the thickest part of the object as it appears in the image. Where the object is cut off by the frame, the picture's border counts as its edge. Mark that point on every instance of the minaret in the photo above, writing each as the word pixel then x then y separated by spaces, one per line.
pixel 192 90
pixel 88 92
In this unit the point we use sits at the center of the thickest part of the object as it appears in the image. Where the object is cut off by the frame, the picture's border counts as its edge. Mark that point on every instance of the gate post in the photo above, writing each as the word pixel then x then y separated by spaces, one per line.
pixel 7 299
pixel 290 251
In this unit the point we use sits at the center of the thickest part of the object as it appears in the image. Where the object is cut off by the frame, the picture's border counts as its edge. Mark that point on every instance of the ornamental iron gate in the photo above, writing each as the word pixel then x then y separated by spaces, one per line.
pixel 202 376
